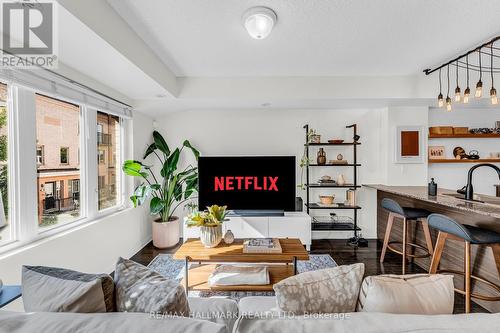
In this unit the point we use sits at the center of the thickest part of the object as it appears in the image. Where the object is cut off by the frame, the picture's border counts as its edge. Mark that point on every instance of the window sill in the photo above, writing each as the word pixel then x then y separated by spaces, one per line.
pixel 16 246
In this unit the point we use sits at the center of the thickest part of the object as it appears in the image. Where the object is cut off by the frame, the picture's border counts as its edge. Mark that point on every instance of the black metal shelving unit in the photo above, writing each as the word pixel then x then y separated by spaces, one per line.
pixel 355 240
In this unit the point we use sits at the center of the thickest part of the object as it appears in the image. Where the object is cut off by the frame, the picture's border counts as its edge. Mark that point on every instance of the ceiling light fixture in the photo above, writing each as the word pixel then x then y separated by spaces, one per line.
pixel 467 90
pixel 448 99
pixel 259 21
pixel 479 85
pixel 458 96
pixel 493 91
pixel 440 96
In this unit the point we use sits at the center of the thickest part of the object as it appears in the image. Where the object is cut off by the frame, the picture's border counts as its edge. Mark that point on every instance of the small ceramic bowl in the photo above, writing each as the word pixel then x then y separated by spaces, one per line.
pixel 326 177
pixel 326 199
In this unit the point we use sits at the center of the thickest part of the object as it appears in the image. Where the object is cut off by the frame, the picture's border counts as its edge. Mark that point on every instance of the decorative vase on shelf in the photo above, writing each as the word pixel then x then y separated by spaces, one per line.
pixel 341 180
pixel 321 157
pixel 211 236
pixel 229 237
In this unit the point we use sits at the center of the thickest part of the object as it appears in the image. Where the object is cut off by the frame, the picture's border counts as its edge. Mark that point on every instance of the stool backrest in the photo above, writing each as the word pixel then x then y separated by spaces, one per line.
pixel 445 224
pixel 392 206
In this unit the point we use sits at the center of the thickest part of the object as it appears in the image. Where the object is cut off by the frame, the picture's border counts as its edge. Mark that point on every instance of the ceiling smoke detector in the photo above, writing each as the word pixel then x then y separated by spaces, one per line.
pixel 259 21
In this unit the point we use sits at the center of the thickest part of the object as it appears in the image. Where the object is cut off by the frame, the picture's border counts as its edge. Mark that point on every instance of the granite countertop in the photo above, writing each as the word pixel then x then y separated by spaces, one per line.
pixel 420 193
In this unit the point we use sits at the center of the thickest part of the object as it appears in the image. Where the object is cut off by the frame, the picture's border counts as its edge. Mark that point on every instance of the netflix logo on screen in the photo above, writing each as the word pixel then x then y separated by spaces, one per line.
pixel 247 182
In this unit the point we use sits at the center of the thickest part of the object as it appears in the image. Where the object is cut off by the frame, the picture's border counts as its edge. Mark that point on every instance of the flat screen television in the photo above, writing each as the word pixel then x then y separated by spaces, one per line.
pixel 247 182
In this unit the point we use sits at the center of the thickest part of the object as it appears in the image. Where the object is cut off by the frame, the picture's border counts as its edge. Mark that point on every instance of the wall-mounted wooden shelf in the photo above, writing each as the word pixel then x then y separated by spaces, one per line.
pixel 334 165
pixel 332 144
pixel 452 160
pixel 468 135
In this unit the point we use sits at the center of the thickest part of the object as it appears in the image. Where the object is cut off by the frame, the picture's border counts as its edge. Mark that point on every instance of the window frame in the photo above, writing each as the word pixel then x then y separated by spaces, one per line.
pixel 61 155
pixel 23 217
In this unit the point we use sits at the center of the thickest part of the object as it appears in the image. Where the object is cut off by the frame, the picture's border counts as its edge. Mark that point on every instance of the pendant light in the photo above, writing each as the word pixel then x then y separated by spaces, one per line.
pixel 458 96
pixel 479 85
pixel 440 96
pixel 493 91
pixel 467 90
pixel 448 99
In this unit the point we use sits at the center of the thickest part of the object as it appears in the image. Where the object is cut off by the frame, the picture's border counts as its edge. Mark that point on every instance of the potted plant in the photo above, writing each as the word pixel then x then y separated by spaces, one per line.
pixel 210 224
pixel 167 192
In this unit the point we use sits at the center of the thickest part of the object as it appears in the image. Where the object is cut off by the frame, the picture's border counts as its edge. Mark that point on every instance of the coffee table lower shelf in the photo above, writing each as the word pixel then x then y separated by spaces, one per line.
pixel 198 277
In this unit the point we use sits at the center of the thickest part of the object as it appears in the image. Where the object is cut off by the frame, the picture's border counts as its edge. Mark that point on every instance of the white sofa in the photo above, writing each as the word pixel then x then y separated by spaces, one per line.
pixel 255 314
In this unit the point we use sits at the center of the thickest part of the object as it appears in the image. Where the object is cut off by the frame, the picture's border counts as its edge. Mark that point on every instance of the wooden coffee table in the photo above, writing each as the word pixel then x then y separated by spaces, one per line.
pixel 280 265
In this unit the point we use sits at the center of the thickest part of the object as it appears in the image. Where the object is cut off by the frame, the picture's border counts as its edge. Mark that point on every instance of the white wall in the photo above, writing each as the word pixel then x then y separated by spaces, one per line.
pixel 93 247
pixel 280 132
pixel 454 176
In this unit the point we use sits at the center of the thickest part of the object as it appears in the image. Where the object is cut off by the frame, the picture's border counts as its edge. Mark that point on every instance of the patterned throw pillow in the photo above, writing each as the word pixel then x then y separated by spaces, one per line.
pixel 49 289
pixel 330 290
pixel 139 289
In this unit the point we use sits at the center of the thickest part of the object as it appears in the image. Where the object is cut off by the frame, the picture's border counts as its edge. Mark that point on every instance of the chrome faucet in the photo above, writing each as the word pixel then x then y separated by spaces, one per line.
pixel 469 190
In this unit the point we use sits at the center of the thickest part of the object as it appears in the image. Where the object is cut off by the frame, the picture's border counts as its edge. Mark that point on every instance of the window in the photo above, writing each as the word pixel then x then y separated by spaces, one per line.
pixel 5 229
pixel 108 141
pixel 100 157
pixel 57 121
pixel 64 155
pixel 39 155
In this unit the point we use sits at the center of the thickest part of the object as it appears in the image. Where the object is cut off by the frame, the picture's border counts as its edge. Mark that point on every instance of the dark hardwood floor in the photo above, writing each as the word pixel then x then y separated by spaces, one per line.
pixel 343 254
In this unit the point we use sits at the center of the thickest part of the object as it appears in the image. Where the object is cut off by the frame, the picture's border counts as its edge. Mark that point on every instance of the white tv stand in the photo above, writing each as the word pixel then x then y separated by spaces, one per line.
pixel 291 225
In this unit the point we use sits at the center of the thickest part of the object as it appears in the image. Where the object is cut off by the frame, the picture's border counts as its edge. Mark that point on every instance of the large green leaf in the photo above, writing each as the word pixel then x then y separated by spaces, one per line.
pixel 196 153
pixel 160 143
pixel 171 164
pixel 151 149
pixel 156 205
pixel 134 169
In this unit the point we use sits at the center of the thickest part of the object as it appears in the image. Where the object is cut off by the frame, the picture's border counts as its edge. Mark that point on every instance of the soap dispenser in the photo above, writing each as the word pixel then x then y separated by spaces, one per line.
pixel 432 188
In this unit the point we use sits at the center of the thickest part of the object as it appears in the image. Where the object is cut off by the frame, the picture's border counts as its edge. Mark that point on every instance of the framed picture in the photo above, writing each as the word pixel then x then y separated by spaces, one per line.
pixel 436 152
pixel 409 143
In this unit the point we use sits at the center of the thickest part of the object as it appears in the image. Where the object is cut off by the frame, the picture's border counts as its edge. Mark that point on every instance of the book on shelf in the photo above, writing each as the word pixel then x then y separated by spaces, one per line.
pixel 262 245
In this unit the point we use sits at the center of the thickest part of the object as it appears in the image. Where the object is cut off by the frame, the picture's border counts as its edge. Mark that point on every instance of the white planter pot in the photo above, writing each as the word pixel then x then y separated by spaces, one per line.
pixel 166 234
pixel 211 236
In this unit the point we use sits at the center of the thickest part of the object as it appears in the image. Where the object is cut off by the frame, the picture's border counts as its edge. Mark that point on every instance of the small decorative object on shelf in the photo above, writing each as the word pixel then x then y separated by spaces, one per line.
pixel 432 188
pixel 210 224
pixel 436 152
pixel 340 157
pixel 321 159
pixel 229 237
pixel 312 137
pixel 350 197
pixel 473 155
pixel 326 200
pixel 341 180
pixel 336 141
pixel 459 153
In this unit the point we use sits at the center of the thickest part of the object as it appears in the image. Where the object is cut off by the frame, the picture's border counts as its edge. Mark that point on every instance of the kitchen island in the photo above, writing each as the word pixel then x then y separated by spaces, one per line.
pixel 485 214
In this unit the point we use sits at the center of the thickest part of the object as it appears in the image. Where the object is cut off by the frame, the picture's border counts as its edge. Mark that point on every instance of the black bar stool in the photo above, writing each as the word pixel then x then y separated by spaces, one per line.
pixel 407 214
pixel 451 229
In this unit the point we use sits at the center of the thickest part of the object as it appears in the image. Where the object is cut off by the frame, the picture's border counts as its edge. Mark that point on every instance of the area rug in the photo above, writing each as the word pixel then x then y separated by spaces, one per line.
pixel 174 269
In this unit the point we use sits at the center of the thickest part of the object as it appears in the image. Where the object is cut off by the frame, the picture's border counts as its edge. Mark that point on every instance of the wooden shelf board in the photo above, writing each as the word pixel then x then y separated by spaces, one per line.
pixel 334 165
pixel 332 186
pixel 452 160
pixel 468 135
pixel 333 144
pixel 198 278
pixel 314 205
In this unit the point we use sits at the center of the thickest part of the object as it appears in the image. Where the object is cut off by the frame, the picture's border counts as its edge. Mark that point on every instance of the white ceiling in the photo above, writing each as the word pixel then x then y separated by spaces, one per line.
pixel 83 50
pixel 201 38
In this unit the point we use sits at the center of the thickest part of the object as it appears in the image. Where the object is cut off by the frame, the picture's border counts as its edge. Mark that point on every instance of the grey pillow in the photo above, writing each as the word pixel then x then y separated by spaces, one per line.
pixel 330 290
pixel 49 289
pixel 139 289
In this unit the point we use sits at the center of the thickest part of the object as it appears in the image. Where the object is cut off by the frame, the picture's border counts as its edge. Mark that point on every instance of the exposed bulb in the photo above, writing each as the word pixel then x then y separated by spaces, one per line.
pixel 479 89
pixel 466 95
pixel 458 97
pixel 440 100
pixel 493 95
pixel 448 103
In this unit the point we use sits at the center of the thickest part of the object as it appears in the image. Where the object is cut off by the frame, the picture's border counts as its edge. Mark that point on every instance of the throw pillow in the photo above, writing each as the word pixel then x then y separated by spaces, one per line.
pixel 329 290
pixel 139 289
pixel 407 294
pixel 49 289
